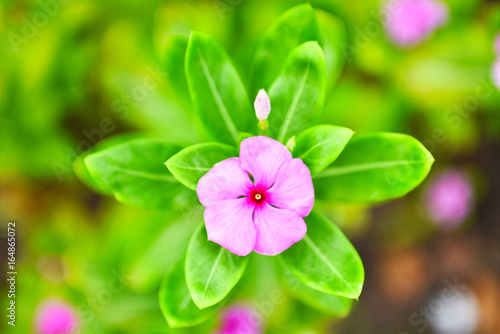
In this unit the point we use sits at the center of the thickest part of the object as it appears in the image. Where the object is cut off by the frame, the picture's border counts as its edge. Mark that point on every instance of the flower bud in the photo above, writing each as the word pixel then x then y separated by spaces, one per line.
pixel 262 105
pixel 290 144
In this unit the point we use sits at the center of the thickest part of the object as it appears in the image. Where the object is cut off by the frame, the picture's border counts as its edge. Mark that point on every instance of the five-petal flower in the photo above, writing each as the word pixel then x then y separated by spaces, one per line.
pixel 265 215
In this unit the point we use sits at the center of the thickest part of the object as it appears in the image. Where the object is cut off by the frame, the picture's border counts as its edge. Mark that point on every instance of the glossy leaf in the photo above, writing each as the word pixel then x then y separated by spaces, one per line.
pixel 330 304
pixel 325 259
pixel 176 303
pixel 216 90
pixel 321 145
pixel 298 93
pixel 81 170
pixel 373 168
pixel 211 270
pixel 134 172
pixel 294 27
pixel 190 164
pixel 83 174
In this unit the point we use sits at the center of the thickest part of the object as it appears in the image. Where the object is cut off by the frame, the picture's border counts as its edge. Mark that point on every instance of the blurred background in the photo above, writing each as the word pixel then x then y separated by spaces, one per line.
pixel 73 72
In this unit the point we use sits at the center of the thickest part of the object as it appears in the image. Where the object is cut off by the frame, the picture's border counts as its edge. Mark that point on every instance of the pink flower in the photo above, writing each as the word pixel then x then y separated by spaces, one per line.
pixel 408 22
pixel 264 215
pixel 262 105
pixel 55 317
pixel 239 320
pixel 449 198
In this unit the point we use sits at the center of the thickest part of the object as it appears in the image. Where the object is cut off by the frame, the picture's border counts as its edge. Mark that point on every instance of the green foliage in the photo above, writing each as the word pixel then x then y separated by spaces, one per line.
pixel 334 38
pixel 81 169
pixel 296 26
pixel 330 304
pixel 299 57
pixel 135 174
pixel 298 93
pixel 325 259
pixel 319 146
pixel 61 80
pixel 174 54
pixel 373 168
pixel 190 164
pixel 176 302
pixel 217 92
pixel 211 270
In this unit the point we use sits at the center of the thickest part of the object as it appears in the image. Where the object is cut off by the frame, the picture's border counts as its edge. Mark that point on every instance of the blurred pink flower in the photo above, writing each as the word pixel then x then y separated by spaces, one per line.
pixel 264 215
pixel 449 198
pixel 239 320
pixel 56 317
pixel 408 22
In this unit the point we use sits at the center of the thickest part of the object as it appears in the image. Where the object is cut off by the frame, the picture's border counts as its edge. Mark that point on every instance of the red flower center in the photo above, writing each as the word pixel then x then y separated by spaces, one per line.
pixel 258 196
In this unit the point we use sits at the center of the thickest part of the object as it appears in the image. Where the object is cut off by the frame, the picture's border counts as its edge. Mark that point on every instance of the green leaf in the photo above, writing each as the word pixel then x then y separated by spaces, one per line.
pixel 325 260
pixel 211 270
pixel 330 304
pixel 134 172
pixel 81 170
pixel 83 174
pixel 294 27
pixel 298 93
pixel 373 168
pixel 217 91
pixel 174 55
pixel 190 164
pixel 176 303
pixel 334 37
pixel 321 145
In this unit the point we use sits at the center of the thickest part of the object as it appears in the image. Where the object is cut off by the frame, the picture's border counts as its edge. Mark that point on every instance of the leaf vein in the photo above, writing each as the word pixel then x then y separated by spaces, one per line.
pixel 192 167
pixel 293 106
pixel 212 273
pixel 328 263
pixel 146 175
pixel 218 99
pixel 318 144
pixel 363 167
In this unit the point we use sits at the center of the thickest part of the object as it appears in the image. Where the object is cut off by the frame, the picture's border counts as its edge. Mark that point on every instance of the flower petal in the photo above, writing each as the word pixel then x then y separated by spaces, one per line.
pixel 277 229
pixel 226 180
pixel 229 223
pixel 293 189
pixel 262 157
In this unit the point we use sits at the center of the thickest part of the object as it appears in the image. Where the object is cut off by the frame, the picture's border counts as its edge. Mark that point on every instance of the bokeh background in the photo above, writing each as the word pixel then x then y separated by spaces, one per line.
pixel 70 71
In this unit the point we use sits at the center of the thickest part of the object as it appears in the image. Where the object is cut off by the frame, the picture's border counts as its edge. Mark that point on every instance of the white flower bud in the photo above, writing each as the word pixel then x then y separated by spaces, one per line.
pixel 262 105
